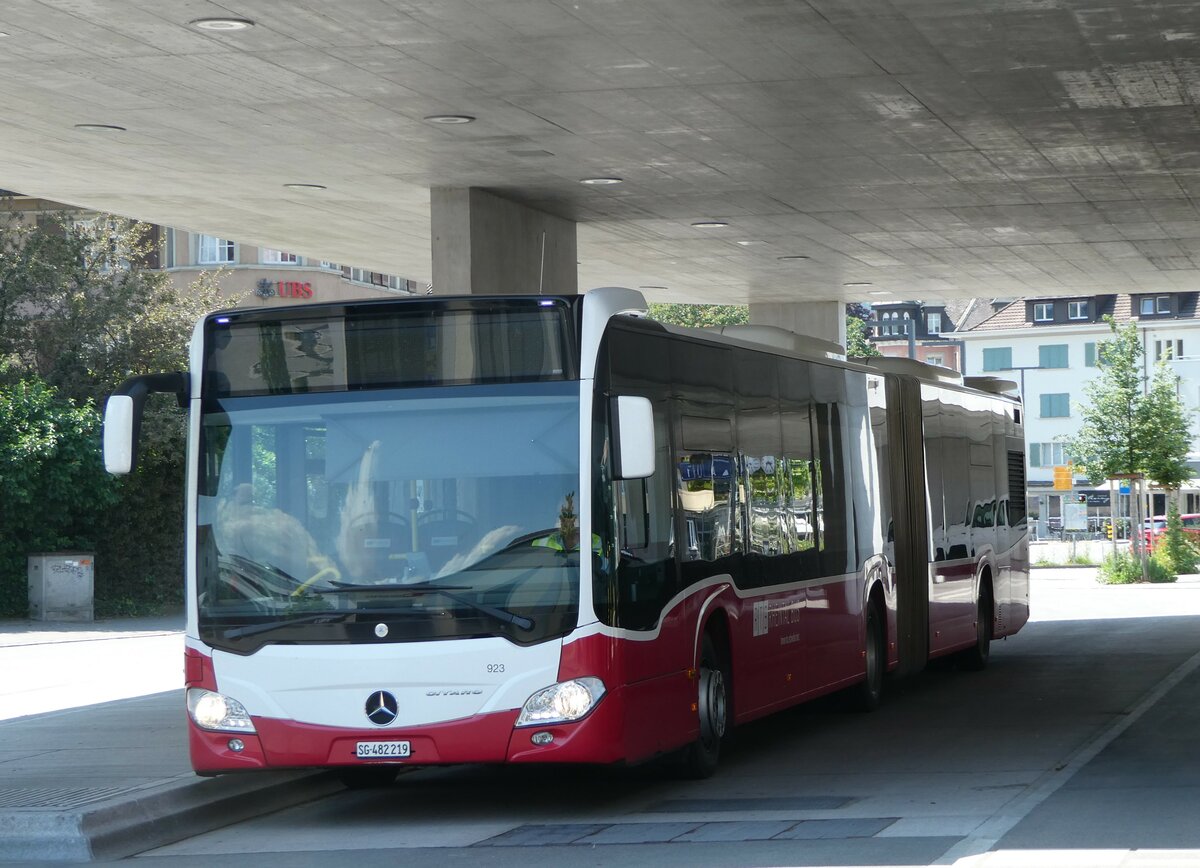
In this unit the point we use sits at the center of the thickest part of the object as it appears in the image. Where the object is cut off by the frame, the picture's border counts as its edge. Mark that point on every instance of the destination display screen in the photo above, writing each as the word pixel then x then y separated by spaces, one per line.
pixel 389 345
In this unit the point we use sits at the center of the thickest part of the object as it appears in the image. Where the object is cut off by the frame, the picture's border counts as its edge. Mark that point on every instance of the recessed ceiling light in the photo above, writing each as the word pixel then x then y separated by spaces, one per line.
pixel 879 292
pixel 601 182
pixel 100 128
pixel 305 186
pixel 858 284
pixel 709 224
pixel 223 24
pixel 448 119
pixel 751 242
pixel 651 287
pixel 792 258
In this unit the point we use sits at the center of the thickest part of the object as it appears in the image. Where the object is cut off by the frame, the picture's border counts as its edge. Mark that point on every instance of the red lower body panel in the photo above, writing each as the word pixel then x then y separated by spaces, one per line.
pixel 485 738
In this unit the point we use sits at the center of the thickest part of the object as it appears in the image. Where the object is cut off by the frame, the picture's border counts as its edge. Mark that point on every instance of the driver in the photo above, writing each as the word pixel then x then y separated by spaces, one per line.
pixel 266 535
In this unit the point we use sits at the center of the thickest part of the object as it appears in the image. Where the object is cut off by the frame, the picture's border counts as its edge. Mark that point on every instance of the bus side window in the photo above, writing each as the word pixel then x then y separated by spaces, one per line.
pixel 705 482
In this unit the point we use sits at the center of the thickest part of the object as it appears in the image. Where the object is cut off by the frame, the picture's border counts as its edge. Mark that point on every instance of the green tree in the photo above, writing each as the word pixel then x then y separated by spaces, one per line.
pixel 80 311
pixel 709 315
pixel 700 315
pixel 56 492
pixel 1110 440
pixel 857 345
pixel 1166 428
pixel 1127 431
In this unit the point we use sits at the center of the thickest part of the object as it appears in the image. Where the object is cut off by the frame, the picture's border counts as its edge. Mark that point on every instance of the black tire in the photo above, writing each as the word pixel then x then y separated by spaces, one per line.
pixel 869 693
pixel 976 657
pixel 700 758
pixel 368 777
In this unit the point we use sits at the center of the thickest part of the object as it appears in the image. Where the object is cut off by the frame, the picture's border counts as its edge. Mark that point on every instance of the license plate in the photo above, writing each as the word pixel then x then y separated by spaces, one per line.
pixel 383 749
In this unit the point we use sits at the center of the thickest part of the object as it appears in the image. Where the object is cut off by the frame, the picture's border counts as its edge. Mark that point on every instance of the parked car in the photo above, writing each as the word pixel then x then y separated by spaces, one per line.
pixel 1153 528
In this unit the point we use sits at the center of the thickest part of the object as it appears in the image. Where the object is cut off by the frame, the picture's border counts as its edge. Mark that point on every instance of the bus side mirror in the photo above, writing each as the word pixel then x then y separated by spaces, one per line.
pixel 123 416
pixel 119 434
pixel 633 429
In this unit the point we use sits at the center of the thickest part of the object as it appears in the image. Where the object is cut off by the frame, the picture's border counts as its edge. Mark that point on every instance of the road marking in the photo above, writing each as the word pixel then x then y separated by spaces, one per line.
pixel 999 824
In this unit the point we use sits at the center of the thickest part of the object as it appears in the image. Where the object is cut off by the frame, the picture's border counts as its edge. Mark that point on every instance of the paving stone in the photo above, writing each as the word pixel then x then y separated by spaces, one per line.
pixel 540 836
pixel 748 830
pixel 848 828
pixel 794 803
pixel 639 833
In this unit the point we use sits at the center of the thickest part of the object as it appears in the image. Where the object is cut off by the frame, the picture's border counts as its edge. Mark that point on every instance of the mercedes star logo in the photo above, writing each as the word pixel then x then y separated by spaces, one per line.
pixel 381 708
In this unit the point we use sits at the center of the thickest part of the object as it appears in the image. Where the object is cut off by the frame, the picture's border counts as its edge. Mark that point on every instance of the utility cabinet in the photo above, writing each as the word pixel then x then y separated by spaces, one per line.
pixel 61 586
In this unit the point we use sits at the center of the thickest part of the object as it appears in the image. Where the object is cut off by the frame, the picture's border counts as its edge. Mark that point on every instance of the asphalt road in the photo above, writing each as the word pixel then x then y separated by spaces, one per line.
pixel 1077 746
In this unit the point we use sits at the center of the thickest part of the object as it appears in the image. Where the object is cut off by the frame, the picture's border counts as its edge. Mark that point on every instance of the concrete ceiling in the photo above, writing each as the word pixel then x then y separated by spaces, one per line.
pixel 932 148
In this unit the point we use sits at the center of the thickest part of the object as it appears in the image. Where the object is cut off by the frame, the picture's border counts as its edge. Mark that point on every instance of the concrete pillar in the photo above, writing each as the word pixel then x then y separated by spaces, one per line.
pixel 819 319
pixel 485 245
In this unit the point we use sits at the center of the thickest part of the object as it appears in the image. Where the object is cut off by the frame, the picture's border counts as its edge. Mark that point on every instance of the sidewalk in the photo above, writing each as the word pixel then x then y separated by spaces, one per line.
pixel 24 632
pixel 93 752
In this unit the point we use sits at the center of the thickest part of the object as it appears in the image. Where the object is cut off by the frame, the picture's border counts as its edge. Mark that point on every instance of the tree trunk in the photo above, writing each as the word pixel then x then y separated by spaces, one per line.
pixel 1113 501
pixel 1141 529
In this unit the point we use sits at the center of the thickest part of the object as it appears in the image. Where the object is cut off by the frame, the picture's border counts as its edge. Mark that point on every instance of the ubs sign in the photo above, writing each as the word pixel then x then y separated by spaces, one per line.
pixel 283 289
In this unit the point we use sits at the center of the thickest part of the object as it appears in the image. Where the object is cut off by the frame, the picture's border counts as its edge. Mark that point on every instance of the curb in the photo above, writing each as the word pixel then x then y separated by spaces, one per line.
pixel 153 816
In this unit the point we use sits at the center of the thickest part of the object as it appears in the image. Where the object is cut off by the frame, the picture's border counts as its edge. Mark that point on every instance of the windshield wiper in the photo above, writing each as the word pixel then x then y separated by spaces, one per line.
pixel 338 587
pixel 254 629
pixel 507 617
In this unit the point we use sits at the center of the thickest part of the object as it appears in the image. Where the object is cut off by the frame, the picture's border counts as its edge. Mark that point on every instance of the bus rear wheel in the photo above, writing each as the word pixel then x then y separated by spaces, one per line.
pixel 976 657
pixel 869 692
pixel 700 758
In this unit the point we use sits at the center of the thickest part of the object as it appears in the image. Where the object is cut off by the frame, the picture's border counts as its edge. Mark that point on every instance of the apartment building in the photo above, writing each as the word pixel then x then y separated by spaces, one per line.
pixel 1048 346
pixel 927 332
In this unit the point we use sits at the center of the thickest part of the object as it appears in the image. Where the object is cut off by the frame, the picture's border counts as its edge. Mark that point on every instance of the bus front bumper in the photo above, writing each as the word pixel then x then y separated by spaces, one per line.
pixel 484 738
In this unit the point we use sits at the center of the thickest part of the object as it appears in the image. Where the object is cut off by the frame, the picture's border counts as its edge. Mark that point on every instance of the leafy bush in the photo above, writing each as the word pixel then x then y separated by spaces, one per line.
pixel 1174 550
pixel 1119 569
pixel 1160 572
pixel 81 309
pixel 1123 569
pixel 139 556
pixel 55 490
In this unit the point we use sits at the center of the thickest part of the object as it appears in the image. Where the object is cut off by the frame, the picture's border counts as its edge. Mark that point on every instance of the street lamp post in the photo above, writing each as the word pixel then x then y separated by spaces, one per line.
pixel 1043 500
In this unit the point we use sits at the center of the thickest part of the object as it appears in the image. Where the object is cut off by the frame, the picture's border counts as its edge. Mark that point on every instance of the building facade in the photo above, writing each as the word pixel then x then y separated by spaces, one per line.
pixel 264 277
pixel 928 333
pixel 254 276
pixel 1048 346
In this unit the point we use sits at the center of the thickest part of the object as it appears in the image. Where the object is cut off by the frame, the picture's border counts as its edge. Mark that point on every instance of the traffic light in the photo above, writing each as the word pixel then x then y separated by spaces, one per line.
pixel 1108 529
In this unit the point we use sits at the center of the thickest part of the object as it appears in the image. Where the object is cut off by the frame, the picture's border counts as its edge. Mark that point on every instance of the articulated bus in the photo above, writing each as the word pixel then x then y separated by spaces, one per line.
pixel 540 529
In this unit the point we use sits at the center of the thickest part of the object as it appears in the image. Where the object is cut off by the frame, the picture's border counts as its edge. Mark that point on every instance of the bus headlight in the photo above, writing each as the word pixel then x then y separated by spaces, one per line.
pixel 219 713
pixel 562 702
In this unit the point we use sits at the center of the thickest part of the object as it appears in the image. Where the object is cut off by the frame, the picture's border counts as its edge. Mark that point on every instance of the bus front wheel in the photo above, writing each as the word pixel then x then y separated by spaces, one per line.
pixel 700 758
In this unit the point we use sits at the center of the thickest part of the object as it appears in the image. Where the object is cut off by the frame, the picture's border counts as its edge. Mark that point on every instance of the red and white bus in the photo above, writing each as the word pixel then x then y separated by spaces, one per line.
pixel 548 529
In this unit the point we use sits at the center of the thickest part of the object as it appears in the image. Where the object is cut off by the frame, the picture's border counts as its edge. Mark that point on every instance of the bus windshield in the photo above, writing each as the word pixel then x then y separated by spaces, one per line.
pixel 389 515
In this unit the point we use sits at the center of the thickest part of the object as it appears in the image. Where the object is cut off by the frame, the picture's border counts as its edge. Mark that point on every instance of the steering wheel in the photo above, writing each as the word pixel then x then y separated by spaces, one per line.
pixel 331 572
pixel 390 519
pixel 435 515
